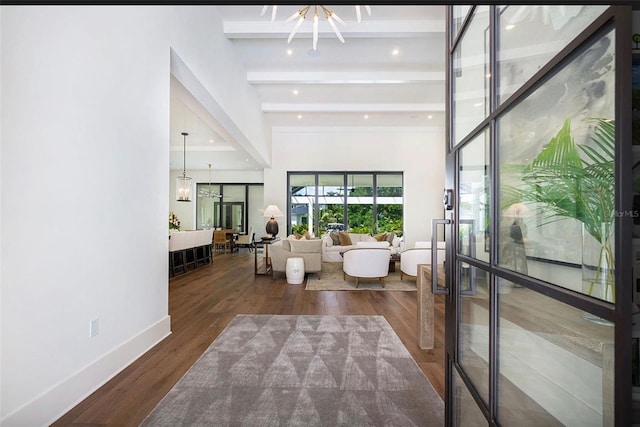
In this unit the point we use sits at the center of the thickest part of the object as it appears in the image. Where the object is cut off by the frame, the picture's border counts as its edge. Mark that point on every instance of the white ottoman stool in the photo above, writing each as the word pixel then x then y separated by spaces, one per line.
pixel 295 270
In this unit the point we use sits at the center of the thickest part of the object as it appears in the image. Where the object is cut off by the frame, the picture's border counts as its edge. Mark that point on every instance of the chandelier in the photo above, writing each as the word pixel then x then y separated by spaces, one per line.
pixel 209 192
pixel 301 15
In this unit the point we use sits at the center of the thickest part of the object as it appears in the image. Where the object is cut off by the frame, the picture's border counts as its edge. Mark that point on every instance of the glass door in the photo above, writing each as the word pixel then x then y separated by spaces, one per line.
pixel 538 317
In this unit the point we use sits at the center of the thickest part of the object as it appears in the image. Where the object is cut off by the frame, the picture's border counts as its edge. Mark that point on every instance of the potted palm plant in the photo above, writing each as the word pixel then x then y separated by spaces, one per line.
pixel 570 180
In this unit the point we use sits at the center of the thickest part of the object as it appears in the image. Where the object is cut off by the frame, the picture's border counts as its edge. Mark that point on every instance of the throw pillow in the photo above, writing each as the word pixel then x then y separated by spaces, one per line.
pixel 298 236
pixel 328 241
pixel 389 237
pixel 307 235
pixel 380 237
pixel 335 236
pixel 396 242
pixel 345 240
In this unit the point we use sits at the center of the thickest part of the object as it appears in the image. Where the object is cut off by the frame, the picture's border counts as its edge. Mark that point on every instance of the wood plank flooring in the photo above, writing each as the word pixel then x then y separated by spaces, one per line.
pixel 201 304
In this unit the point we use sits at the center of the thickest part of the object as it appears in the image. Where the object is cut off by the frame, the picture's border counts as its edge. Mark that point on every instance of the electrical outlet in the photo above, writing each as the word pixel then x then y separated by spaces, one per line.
pixel 94 328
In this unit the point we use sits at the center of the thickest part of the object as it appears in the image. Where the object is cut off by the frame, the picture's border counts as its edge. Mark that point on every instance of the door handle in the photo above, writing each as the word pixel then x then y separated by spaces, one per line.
pixel 434 255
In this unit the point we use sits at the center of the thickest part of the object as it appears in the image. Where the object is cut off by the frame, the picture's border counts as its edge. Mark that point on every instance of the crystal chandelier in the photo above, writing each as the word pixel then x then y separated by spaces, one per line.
pixel 301 15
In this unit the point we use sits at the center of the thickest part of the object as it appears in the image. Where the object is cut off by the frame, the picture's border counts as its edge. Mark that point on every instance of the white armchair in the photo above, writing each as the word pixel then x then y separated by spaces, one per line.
pixel 366 263
pixel 421 254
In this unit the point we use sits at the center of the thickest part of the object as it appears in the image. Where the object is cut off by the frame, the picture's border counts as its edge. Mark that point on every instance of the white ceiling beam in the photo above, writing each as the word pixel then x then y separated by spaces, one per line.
pixel 267 29
pixel 342 77
pixel 345 108
pixel 202 148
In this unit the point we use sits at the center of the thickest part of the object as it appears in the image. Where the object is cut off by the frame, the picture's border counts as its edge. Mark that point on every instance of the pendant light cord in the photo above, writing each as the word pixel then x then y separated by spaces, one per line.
pixel 184 154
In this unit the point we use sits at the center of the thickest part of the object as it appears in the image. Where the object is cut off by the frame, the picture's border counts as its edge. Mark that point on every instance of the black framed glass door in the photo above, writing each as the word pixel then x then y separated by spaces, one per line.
pixel 538 317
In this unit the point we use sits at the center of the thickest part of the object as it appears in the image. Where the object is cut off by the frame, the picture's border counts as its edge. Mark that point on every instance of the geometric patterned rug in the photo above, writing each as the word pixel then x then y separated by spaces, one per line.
pixel 274 370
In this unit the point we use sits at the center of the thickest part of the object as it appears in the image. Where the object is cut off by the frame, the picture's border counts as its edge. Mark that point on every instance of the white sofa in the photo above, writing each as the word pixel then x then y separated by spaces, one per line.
pixel 333 253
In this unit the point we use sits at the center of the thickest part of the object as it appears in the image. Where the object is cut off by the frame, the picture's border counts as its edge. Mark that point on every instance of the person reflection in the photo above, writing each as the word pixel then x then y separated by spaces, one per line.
pixel 514 234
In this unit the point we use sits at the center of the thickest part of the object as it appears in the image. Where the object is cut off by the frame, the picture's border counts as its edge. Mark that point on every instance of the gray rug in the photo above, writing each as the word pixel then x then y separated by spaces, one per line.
pixel 332 279
pixel 302 371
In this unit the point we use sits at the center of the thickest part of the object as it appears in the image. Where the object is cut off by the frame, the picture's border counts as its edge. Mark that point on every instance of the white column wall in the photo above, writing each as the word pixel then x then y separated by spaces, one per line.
pixel 418 152
pixel 84 185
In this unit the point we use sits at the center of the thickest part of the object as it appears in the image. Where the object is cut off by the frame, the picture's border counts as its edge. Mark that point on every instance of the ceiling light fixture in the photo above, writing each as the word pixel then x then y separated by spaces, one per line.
pixel 183 183
pixel 301 15
pixel 209 192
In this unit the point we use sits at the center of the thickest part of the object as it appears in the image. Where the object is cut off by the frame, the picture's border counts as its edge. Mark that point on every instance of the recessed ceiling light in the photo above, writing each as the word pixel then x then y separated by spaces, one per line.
pixel 395 52
pixel 429 116
pixel 478 104
pixel 295 91
pixel 299 116
pixel 289 52
pixel 211 141
pixel 509 27
pixel 366 116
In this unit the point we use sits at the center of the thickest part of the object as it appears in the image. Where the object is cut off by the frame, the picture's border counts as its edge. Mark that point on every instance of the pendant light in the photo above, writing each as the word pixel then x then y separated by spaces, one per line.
pixel 183 183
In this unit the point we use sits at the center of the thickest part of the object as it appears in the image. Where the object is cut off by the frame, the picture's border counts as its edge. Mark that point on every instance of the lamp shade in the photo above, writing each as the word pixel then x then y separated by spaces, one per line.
pixel 272 211
pixel 272 225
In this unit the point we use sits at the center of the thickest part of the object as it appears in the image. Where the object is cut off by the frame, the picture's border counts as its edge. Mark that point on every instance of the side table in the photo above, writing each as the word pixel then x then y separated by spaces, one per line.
pixel 267 261
pixel 295 270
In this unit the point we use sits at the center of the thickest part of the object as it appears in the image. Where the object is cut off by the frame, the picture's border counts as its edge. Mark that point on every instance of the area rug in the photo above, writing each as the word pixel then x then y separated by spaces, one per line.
pixel 312 370
pixel 331 279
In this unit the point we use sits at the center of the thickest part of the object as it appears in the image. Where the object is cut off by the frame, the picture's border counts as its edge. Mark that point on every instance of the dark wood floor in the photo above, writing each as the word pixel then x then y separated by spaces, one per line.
pixel 203 301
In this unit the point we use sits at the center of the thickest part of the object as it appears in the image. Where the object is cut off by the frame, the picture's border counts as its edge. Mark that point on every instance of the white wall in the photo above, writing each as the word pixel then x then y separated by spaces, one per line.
pixel 418 152
pixel 84 185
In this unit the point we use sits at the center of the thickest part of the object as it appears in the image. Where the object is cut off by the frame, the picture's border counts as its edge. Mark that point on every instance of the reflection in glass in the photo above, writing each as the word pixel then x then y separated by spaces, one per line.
pixel 520 55
pixel 459 12
pixel 554 367
pixel 470 77
pixel 467 413
pixel 556 172
pixel 473 190
pixel 473 336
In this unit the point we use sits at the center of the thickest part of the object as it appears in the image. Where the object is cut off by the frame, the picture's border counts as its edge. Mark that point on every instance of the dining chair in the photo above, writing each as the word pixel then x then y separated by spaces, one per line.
pixel 221 241
pixel 246 240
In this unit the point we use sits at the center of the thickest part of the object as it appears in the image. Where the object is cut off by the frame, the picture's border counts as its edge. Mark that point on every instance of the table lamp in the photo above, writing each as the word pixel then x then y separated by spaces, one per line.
pixel 272 225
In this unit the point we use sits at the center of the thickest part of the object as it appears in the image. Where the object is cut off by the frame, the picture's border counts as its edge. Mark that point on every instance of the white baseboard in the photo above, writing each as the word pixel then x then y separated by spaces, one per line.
pixel 59 399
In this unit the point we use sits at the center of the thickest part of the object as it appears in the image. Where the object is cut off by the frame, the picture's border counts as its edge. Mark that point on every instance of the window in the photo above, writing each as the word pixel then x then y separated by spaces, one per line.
pixel 359 202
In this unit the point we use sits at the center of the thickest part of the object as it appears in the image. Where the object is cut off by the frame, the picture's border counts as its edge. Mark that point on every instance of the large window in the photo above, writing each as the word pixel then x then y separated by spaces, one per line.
pixel 359 202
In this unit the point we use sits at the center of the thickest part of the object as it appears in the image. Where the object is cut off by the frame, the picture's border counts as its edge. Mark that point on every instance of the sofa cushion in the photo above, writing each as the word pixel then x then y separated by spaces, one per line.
pixel 306 246
pixel 285 244
pixel 344 238
pixel 389 237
